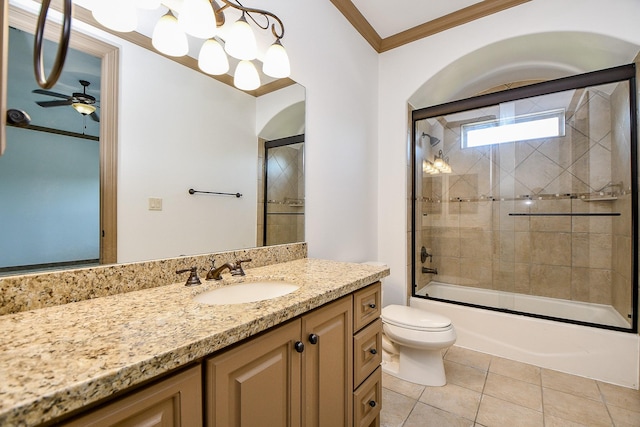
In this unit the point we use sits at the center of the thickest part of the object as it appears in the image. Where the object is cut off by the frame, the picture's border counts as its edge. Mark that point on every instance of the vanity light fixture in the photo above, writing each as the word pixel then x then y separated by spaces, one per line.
pixel 168 37
pixel 203 19
pixel 246 76
pixel 440 164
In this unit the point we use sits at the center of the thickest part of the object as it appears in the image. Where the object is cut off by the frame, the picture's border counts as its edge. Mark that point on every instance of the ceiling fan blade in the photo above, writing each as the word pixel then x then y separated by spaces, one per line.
pixel 47 104
pixel 47 92
pixel 95 117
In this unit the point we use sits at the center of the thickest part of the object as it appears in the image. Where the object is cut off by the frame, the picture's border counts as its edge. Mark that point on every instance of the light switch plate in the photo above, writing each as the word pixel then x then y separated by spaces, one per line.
pixel 155 204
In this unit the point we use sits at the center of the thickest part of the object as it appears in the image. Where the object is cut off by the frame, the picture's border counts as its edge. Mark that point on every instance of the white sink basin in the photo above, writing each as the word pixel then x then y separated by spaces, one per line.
pixel 246 292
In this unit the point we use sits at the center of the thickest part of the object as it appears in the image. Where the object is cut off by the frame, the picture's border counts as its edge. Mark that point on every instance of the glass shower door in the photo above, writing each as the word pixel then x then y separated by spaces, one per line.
pixel 528 204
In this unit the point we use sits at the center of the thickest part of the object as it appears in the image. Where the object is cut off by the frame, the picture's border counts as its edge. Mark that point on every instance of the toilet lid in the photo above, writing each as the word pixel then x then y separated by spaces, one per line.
pixel 413 318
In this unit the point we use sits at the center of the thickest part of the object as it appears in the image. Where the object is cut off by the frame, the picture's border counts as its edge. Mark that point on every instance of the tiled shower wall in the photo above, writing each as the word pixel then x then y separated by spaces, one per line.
pixel 285 221
pixel 465 223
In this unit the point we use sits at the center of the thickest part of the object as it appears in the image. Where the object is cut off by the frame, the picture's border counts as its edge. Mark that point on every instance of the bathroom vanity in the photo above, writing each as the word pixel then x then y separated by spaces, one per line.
pixel 311 357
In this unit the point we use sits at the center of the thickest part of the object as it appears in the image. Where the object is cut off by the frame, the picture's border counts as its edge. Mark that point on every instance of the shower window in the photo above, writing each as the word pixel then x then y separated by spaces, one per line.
pixel 531 219
pixel 510 128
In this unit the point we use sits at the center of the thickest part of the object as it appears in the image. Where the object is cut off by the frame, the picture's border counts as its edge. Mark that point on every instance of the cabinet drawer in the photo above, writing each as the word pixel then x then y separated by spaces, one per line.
pixel 367 351
pixel 366 306
pixel 367 400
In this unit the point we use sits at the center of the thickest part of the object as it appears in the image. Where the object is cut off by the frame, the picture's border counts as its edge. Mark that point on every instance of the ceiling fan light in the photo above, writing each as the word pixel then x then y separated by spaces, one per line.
pixel 246 76
pixel 276 61
pixel 197 19
pixel 84 109
pixel 212 59
pixel 148 4
pixel 168 38
pixel 241 43
pixel 117 15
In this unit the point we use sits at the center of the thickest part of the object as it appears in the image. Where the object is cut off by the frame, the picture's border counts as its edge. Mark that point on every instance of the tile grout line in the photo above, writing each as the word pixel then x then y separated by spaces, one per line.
pixel 604 401
pixel 484 385
pixel 544 419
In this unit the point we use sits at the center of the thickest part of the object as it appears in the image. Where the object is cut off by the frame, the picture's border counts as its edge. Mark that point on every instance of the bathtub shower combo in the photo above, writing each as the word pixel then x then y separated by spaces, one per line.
pixel 525 204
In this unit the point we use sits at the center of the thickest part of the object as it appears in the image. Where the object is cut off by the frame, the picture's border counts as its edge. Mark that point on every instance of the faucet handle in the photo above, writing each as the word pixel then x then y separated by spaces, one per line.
pixel 238 271
pixel 193 279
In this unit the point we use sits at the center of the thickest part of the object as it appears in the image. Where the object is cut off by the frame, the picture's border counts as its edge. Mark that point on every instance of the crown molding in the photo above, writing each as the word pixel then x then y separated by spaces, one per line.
pixel 454 19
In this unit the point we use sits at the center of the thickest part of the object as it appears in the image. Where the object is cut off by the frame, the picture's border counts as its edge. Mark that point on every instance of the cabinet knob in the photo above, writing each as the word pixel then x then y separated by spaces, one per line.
pixel 372 403
pixel 373 351
pixel 372 305
pixel 299 346
pixel 313 339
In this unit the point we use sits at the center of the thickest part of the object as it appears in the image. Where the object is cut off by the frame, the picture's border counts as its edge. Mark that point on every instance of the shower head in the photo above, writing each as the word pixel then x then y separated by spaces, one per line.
pixel 433 141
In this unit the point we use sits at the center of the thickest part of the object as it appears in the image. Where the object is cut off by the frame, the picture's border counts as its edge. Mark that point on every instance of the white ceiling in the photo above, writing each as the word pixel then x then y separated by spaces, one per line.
pixel 406 14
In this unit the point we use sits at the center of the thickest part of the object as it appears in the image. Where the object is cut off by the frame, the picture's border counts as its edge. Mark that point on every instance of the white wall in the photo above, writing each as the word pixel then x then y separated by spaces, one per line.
pixel 175 134
pixel 339 72
pixel 281 113
pixel 404 70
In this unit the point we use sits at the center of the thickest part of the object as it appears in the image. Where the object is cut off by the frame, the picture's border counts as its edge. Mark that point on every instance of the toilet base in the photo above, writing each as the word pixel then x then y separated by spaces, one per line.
pixel 424 367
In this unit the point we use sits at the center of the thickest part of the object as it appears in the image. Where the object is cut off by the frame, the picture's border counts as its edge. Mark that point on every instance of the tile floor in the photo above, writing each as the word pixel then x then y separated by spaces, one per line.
pixel 484 391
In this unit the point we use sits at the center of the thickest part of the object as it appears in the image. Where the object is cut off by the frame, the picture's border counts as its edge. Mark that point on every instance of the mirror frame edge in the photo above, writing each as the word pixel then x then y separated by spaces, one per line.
pixel 4 56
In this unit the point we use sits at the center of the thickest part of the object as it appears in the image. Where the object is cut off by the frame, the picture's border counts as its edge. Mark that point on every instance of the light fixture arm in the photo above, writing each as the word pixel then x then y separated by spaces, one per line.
pixel 248 11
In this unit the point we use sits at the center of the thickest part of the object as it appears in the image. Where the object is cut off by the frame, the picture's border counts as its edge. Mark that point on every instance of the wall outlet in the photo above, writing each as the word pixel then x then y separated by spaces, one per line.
pixel 155 204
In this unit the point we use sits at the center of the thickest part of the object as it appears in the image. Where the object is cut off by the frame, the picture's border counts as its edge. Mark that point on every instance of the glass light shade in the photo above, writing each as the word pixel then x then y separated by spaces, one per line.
pixel 427 167
pixel 197 19
pixel 148 4
pixel 117 15
pixel 241 43
pixel 168 38
pixel 212 59
pixel 276 61
pixel 438 162
pixel 246 76
pixel 83 109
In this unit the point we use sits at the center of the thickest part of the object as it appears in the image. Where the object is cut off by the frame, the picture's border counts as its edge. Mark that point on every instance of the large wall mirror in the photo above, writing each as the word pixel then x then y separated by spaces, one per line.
pixel 170 129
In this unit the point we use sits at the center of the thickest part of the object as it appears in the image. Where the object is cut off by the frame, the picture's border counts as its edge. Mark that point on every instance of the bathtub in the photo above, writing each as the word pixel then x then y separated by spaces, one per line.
pixel 565 309
pixel 604 355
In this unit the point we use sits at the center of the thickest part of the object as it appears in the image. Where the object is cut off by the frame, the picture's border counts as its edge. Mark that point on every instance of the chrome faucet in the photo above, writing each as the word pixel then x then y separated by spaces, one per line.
pixel 429 270
pixel 234 268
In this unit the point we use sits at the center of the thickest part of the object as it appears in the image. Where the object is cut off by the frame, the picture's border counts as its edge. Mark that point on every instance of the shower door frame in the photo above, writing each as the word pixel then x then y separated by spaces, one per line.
pixel 601 77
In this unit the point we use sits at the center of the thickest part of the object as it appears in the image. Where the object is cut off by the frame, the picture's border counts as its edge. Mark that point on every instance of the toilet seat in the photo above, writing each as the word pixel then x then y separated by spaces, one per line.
pixel 413 318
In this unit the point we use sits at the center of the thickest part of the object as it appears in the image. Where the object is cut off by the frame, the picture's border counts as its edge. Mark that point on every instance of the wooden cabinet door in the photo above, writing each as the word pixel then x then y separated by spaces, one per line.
pixel 256 384
pixel 174 402
pixel 327 365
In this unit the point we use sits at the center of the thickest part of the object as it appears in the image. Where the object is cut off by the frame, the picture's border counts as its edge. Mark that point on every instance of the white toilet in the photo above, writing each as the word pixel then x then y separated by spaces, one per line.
pixel 412 344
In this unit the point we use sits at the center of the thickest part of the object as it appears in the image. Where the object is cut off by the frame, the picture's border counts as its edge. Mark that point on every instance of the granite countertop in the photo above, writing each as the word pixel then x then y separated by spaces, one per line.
pixel 58 359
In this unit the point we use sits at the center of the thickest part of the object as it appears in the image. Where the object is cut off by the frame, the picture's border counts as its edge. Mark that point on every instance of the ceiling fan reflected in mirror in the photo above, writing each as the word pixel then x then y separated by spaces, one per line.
pixel 82 102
